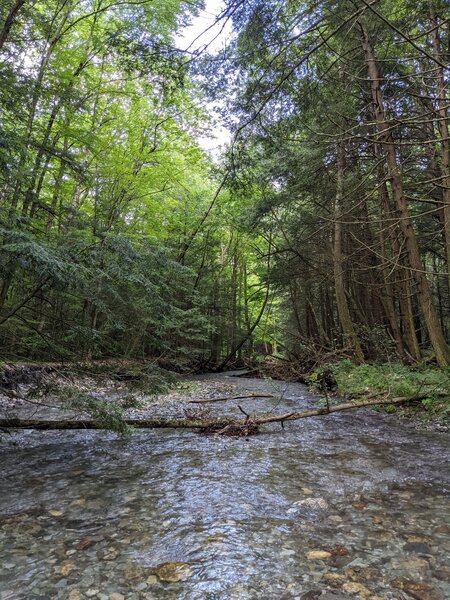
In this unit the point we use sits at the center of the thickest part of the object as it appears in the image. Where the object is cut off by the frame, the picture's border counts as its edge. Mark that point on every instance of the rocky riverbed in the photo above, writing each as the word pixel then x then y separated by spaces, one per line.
pixel 340 507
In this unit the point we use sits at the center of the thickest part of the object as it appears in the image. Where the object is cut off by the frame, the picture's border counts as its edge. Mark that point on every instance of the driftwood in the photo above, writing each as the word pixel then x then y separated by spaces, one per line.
pixel 220 425
pixel 208 400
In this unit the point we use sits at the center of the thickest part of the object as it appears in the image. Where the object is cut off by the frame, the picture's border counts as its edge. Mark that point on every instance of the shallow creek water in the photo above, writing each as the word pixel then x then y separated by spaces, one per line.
pixel 352 505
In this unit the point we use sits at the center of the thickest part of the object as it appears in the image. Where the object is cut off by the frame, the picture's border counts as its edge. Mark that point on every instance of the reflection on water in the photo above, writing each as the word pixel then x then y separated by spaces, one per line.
pixel 347 506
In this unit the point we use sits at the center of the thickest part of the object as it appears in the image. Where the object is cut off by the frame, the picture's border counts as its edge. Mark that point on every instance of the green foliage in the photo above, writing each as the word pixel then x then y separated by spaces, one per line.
pixel 106 413
pixel 395 380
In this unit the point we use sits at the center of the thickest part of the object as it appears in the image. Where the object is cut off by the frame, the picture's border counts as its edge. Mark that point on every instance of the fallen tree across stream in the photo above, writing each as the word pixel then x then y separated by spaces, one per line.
pixel 219 425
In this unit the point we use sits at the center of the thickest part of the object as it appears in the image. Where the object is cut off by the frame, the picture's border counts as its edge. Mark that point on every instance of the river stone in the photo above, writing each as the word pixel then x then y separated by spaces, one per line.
pixel 75 595
pixel 422 591
pixel 442 529
pixel 419 539
pixel 141 586
pixel 318 555
pixel 65 570
pixel 413 564
pixel 78 502
pixel 312 503
pixel 417 547
pixel 334 579
pixel 215 537
pixel 357 588
pixel 416 589
pixel 111 553
pixel 335 519
pixel 442 573
pixel 173 571
pixel 311 595
pixel 116 596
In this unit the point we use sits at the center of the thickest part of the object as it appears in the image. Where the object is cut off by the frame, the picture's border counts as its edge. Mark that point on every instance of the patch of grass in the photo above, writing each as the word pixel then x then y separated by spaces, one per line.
pixel 395 380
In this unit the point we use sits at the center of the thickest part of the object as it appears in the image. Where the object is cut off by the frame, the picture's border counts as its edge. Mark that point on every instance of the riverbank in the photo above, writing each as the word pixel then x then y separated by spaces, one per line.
pixel 112 392
pixel 344 380
pixel 393 380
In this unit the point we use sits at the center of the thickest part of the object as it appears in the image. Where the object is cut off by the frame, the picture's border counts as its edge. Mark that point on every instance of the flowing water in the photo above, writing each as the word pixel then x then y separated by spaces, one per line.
pixel 352 505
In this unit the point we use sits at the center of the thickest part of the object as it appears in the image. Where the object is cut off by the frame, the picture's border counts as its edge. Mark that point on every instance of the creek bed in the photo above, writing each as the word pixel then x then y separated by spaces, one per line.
pixel 353 505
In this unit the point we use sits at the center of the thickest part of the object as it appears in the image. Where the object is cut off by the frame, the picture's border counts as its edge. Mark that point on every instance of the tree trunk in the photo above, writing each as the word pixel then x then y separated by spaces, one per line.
pixel 442 122
pixel 423 287
pixel 10 21
pixel 338 262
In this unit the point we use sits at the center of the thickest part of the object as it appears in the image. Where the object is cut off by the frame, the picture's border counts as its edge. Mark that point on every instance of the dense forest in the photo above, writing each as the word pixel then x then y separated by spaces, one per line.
pixel 322 230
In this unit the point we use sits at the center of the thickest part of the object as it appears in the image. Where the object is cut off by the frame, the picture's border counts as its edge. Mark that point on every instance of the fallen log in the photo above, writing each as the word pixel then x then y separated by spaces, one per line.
pixel 250 424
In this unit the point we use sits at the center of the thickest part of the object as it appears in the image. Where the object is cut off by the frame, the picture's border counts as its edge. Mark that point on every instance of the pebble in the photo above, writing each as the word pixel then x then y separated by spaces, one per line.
pixel 357 588
pixel 318 555
pixel 412 565
pixel 141 586
pixel 312 503
pixel 172 572
pixel 417 589
pixel 335 519
pixel 442 573
pixel 286 552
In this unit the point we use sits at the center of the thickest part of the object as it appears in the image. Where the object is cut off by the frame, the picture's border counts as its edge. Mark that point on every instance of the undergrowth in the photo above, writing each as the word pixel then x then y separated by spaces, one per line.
pixel 396 380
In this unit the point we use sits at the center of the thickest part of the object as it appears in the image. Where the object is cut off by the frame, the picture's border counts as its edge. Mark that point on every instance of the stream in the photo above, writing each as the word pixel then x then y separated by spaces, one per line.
pixel 352 505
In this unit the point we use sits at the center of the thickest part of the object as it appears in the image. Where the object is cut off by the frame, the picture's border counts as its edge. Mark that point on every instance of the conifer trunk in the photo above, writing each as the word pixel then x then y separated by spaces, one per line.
pixel 338 262
pixel 395 177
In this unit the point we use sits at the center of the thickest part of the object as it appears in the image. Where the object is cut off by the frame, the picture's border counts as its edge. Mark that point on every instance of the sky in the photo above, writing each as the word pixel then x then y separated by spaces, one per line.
pixel 186 39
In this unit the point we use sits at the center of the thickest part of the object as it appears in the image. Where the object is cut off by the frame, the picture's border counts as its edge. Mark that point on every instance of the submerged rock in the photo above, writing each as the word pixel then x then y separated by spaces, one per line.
pixel 357 588
pixel 312 503
pixel 172 572
pixel 417 547
pixel 318 555
pixel 417 589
